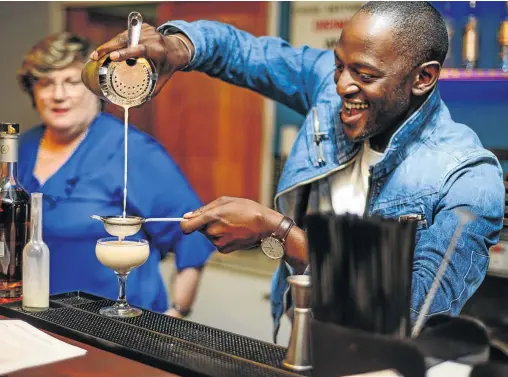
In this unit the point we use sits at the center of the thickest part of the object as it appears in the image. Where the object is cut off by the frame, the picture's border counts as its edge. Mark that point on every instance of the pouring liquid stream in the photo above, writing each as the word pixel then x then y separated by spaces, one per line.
pixel 126 138
pixel 125 159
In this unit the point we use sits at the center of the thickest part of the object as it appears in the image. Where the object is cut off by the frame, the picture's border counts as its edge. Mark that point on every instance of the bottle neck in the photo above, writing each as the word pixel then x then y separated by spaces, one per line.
pixel 36 217
pixel 9 170
pixel 9 157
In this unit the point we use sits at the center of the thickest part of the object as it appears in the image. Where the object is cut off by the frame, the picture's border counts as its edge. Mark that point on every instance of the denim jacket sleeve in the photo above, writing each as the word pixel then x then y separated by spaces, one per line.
pixel 267 65
pixel 475 186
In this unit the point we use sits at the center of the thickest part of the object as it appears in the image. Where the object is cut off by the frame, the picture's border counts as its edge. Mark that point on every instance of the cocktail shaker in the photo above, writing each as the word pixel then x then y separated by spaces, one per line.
pixel 128 83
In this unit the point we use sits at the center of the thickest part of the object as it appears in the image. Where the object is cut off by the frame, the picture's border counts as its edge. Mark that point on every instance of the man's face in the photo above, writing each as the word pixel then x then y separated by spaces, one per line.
pixel 372 80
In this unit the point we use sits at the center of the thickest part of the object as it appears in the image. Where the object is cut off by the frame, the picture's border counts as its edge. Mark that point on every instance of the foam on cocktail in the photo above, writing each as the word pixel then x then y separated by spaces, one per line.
pixel 122 256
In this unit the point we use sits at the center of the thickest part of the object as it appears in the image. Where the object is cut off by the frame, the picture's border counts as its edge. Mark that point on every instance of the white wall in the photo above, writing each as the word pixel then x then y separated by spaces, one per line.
pixel 22 24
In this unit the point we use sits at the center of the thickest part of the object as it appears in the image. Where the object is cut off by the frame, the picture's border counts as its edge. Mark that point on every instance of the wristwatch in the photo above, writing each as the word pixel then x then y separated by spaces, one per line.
pixel 173 31
pixel 273 245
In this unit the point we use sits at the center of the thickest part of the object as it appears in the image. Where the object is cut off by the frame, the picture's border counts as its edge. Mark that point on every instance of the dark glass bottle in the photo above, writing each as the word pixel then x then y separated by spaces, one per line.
pixel 14 215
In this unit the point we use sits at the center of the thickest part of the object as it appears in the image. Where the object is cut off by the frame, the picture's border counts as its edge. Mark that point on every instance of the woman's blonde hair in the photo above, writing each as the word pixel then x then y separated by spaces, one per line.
pixel 56 51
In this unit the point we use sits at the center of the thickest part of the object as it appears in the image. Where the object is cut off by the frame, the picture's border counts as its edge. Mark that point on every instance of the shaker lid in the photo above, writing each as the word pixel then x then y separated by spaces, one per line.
pixel 7 128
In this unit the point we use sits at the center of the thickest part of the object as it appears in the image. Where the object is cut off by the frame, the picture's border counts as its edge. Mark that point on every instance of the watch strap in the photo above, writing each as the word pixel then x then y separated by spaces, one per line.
pixel 173 31
pixel 168 30
pixel 283 229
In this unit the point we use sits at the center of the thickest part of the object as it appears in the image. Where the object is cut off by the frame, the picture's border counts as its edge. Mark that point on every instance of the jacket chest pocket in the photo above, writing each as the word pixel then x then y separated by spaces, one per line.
pixel 416 211
pixel 421 220
pixel 418 217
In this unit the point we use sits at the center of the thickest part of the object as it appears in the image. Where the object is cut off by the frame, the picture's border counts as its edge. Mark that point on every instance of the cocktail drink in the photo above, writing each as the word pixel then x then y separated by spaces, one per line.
pixel 122 256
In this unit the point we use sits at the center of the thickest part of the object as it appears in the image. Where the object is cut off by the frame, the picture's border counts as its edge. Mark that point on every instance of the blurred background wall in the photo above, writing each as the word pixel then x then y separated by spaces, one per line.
pixel 22 24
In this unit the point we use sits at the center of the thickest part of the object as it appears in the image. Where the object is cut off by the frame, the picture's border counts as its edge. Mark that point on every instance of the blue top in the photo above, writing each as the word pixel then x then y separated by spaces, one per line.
pixel 91 182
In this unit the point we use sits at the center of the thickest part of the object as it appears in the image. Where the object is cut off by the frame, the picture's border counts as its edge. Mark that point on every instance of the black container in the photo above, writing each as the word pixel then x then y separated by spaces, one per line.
pixel 361 272
pixel 460 339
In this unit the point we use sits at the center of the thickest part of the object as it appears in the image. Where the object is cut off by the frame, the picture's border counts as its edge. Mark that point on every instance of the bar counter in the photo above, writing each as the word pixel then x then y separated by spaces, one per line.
pixel 136 346
pixel 157 345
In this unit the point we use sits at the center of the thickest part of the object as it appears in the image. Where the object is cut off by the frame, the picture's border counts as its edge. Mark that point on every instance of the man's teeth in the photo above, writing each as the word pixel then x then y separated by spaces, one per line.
pixel 358 106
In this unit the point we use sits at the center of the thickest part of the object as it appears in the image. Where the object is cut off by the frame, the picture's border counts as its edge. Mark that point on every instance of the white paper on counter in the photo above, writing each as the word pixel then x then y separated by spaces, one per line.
pixel 449 368
pixel 445 369
pixel 24 346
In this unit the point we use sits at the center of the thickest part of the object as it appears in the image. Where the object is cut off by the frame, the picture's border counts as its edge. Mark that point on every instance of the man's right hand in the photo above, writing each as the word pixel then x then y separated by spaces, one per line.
pixel 168 53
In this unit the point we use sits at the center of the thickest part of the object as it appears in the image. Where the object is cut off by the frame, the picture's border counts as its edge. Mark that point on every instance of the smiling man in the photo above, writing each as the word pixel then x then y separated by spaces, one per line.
pixel 377 137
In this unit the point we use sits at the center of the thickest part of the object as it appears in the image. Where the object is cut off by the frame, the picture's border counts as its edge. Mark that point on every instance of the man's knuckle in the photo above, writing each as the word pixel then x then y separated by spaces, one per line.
pixel 122 39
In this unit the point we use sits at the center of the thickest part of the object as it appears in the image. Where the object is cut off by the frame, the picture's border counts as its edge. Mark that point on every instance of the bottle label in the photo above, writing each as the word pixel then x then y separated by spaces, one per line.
pixel 9 150
pixel 11 248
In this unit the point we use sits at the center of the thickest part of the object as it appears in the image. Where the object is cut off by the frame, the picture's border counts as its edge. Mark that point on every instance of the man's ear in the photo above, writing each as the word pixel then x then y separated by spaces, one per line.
pixel 426 78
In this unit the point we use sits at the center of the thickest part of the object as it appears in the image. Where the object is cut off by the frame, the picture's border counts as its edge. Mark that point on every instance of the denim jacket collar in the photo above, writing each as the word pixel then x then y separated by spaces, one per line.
pixel 410 135
pixel 328 134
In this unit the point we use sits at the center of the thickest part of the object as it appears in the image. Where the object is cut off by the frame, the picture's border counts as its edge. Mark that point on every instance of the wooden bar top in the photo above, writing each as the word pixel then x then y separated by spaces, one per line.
pixel 96 363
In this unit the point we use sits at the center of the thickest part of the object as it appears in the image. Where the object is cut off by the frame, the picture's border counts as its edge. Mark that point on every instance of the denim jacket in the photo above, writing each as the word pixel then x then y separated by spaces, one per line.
pixel 431 167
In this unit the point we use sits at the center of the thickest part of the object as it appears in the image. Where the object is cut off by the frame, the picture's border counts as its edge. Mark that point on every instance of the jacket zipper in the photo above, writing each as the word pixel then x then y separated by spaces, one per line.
pixel 318 137
pixel 369 192
pixel 412 217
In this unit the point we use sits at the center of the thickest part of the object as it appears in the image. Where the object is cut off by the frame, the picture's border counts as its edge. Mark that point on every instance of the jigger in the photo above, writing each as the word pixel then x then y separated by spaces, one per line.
pixel 298 355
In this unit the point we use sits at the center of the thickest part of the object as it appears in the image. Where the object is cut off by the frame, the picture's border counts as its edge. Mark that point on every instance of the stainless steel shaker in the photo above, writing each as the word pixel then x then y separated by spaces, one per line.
pixel 128 83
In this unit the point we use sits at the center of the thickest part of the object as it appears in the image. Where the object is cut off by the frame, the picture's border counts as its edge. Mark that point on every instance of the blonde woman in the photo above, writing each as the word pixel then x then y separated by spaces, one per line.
pixel 75 158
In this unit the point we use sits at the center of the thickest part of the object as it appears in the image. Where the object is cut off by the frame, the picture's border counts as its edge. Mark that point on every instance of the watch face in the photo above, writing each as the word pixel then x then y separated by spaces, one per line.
pixel 272 247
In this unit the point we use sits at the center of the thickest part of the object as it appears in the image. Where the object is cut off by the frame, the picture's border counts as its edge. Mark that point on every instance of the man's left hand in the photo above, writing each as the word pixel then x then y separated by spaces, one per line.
pixel 232 223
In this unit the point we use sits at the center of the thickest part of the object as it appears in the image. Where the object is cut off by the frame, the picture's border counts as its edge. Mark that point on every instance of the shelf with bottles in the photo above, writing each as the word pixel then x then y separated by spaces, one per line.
pixel 463 74
pixel 478 35
pixel 474 85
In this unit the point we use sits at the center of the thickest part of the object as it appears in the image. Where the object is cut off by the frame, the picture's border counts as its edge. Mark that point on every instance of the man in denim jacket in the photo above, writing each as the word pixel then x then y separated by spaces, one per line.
pixel 376 131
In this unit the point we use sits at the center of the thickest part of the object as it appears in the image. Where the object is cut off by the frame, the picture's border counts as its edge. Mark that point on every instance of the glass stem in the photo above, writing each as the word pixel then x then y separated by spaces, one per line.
pixel 122 281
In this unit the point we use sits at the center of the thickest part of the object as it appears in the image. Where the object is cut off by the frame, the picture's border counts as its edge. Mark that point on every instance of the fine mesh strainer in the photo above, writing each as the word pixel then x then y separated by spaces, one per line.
pixel 119 226
pixel 128 83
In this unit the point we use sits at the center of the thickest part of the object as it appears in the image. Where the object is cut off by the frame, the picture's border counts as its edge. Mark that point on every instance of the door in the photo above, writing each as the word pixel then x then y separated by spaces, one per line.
pixel 213 129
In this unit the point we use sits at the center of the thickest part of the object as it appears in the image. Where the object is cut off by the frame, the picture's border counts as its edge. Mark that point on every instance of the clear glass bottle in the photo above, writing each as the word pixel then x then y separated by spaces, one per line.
pixel 36 263
pixel 470 44
pixel 14 215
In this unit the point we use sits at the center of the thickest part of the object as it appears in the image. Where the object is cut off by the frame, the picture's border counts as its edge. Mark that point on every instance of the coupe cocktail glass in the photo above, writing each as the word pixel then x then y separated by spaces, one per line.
pixel 122 256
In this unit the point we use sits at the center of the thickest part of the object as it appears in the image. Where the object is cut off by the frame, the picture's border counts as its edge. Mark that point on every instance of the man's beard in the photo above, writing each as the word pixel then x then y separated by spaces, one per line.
pixel 367 131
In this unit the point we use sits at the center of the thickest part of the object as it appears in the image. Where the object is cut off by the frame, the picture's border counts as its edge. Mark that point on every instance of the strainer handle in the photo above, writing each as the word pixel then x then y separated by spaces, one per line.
pixel 135 22
pixel 153 219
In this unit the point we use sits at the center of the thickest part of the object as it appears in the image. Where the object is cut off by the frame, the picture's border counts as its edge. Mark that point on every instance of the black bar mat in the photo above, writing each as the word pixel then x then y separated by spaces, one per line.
pixel 177 346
